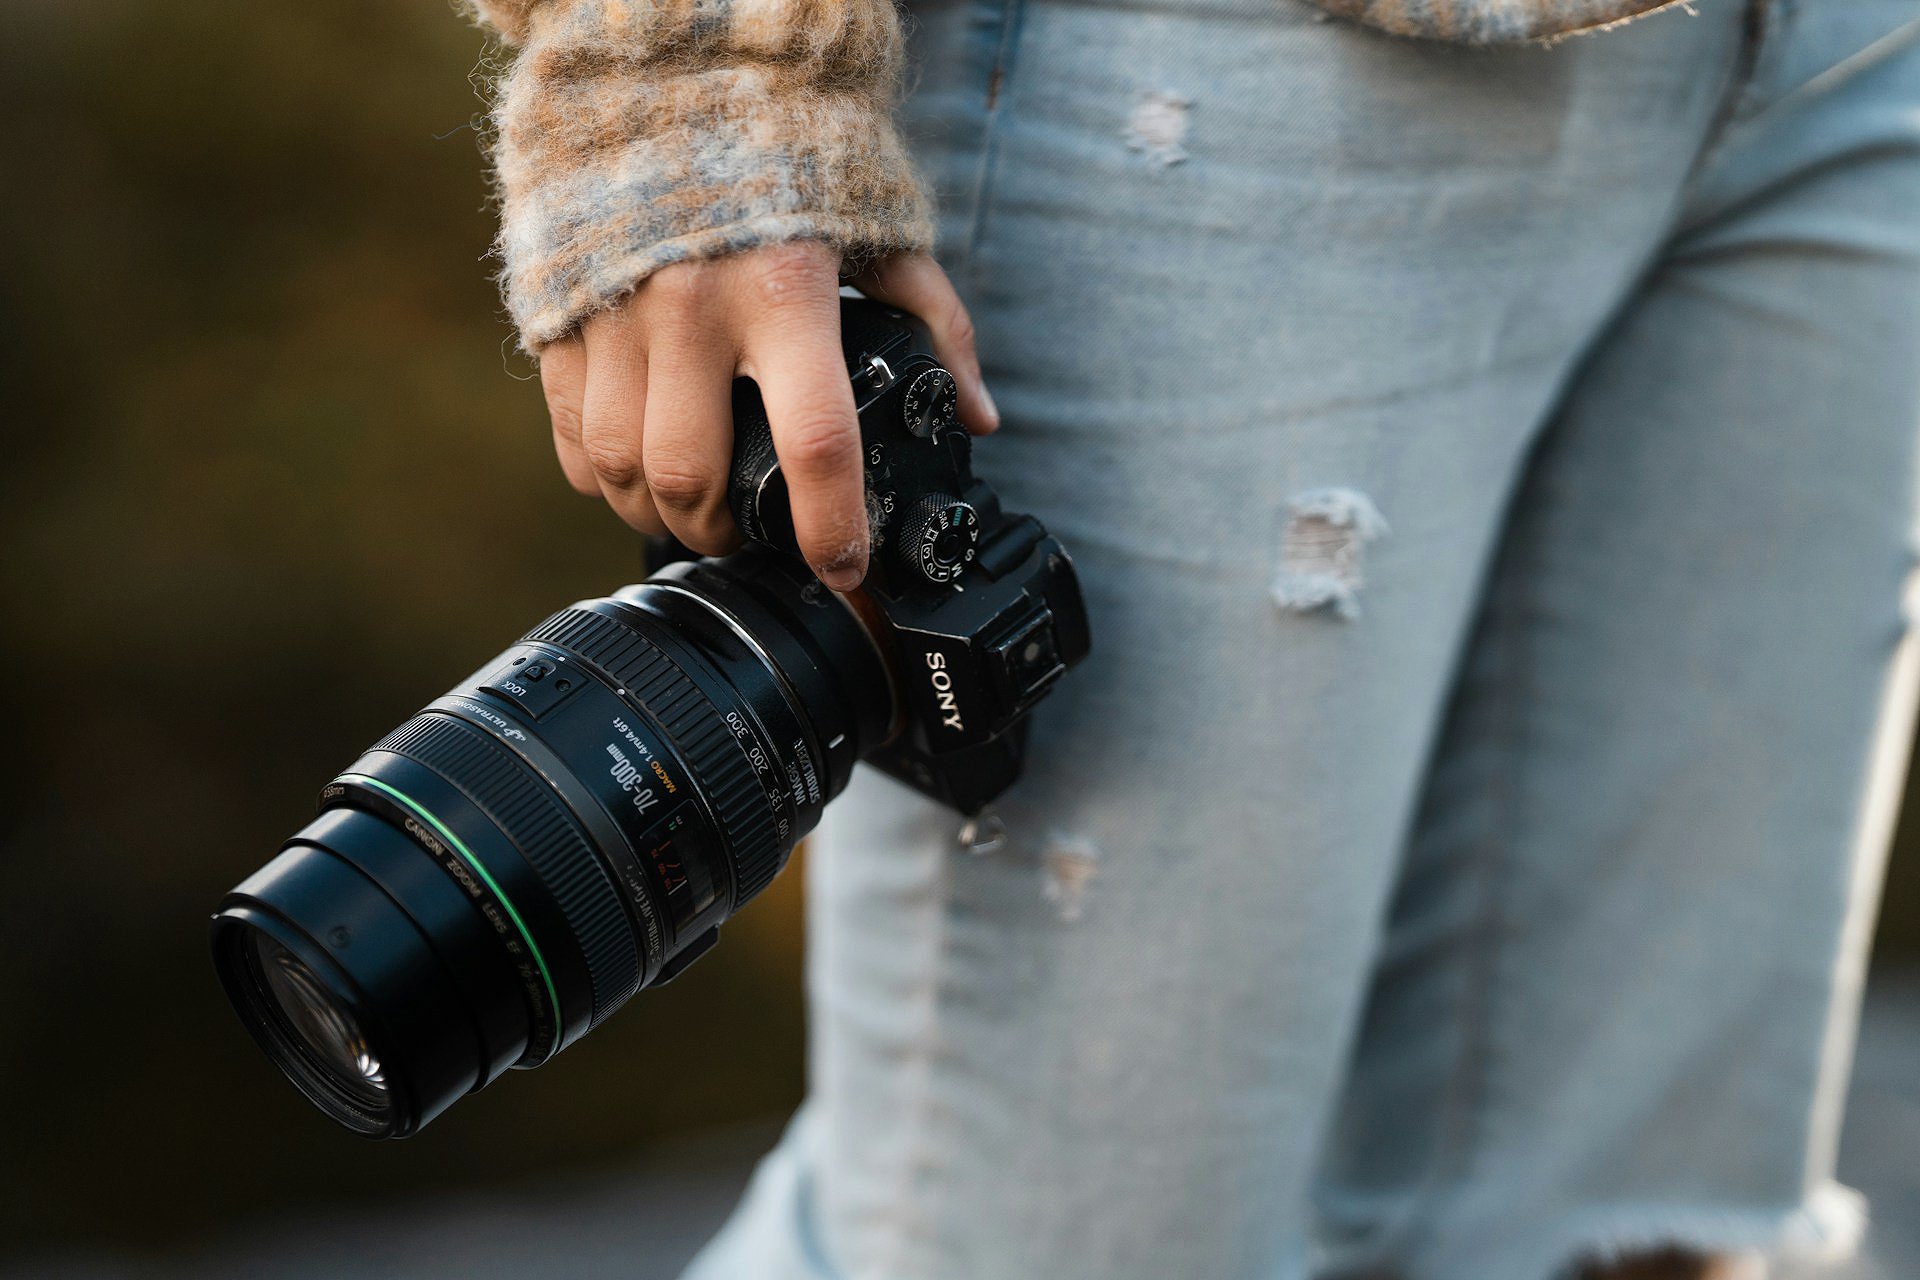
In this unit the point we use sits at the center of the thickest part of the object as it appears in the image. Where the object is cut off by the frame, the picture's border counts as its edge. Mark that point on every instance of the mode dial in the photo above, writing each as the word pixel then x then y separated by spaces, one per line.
pixel 939 537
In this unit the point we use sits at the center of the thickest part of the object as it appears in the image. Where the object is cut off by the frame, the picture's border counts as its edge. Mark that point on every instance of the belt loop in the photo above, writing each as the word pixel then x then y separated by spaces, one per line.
pixel 1766 36
pixel 1753 60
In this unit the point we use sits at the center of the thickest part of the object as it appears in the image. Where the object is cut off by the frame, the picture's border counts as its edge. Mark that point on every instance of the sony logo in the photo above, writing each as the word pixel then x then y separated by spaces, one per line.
pixel 943 696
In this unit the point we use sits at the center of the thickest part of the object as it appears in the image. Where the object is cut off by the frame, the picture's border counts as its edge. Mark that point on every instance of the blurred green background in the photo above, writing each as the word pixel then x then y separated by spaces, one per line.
pixel 275 476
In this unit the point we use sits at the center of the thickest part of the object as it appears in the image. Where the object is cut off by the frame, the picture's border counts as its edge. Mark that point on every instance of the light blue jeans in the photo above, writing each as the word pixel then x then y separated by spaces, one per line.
pixel 1492 472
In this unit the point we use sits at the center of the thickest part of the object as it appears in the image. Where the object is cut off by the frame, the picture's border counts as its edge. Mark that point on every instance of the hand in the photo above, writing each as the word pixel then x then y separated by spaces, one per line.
pixel 642 406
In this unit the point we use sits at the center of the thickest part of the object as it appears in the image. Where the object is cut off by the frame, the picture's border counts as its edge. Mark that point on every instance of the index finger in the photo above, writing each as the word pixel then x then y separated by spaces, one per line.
pixel 803 381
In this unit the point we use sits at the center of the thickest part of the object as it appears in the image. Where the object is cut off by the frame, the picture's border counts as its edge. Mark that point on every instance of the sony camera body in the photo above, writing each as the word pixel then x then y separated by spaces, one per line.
pixel 977 609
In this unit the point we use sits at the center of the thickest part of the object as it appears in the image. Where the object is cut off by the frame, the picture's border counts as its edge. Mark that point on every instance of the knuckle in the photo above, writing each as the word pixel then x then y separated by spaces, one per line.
pixel 614 460
pixel 820 442
pixel 564 409
pixel 684 286
pixel 679 487
pixel 562 387
pixel 613 326
pixel 790 275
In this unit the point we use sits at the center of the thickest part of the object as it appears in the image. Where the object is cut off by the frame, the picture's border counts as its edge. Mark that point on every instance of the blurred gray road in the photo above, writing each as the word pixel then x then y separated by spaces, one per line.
pixel 646 1223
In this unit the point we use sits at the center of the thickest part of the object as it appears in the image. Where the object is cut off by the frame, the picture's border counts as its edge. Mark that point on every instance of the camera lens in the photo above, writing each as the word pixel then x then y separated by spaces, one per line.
pixel 571 823
pixel 317 1023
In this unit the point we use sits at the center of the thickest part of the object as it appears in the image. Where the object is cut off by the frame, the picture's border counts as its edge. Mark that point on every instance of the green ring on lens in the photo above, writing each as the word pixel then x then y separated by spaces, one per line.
pixel 459 846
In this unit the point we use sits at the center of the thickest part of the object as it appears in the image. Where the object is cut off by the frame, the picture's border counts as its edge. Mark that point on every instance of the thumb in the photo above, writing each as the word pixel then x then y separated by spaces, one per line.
pixel 914 282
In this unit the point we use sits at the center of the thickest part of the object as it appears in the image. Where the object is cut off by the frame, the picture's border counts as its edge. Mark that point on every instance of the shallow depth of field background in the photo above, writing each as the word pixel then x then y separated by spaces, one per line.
pixel 274 477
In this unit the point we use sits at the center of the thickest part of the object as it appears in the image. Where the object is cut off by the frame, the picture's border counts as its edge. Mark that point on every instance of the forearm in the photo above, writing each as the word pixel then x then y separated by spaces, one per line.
pixel 631 135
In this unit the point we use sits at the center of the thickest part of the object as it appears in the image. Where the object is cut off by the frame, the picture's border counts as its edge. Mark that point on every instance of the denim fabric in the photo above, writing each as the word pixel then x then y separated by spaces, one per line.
pixel 1492 474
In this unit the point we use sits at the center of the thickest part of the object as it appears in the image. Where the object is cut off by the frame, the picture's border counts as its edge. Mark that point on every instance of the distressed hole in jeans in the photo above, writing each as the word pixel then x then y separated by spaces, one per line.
pixel 1323 551
pixel 1158 126
pixel 1070 863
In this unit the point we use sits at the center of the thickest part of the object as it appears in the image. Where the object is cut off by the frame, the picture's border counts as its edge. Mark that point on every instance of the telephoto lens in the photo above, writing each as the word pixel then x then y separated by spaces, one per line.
pixel 569 825
pixel 577 819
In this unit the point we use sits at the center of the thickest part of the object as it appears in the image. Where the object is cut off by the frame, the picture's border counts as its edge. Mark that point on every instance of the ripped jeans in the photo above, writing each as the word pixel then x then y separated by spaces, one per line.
pixel 1492 473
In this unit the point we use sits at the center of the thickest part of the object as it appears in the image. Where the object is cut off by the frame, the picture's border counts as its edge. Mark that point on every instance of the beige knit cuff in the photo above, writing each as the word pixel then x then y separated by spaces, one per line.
pixel 621 151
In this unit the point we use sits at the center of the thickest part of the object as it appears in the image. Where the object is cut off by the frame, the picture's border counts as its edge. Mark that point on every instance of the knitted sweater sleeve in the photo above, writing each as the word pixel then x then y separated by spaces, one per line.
pixel 631 134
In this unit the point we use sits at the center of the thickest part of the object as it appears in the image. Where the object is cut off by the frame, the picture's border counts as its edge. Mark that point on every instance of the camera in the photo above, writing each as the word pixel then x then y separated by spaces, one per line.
pixel 577 819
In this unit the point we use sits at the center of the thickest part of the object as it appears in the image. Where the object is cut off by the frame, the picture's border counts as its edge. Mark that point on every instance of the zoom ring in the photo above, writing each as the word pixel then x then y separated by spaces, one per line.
pixel 721 767
pixel 546 837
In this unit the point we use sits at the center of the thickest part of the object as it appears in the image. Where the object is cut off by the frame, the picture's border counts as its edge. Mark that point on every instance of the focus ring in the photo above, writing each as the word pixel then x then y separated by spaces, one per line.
pixel 689 718
pixel 546 837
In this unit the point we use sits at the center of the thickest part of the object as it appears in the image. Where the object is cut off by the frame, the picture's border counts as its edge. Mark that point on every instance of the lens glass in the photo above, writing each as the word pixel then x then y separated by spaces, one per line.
pixel 309 1015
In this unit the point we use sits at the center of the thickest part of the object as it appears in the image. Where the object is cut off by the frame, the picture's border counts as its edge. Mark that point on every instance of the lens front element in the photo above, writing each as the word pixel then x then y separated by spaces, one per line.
pixel 316 1023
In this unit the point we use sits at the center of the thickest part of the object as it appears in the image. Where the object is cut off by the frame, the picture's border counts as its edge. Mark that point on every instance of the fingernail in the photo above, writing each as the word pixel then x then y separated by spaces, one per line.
pixel 844 574
pixel 993 410
pixel 843 579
